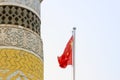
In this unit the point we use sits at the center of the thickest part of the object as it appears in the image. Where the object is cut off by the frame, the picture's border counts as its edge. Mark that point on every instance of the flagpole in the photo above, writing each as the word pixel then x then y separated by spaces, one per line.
pixel 73 33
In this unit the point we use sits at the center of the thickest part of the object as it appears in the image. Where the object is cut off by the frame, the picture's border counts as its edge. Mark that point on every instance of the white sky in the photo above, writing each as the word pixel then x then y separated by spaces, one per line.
pixel 97 38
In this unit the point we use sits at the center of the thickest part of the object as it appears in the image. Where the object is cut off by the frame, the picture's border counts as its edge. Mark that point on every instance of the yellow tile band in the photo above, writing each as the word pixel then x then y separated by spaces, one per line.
pixel 20 65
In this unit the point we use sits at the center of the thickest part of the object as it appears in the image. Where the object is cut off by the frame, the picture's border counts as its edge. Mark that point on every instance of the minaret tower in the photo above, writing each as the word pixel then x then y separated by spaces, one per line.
pixel 21 51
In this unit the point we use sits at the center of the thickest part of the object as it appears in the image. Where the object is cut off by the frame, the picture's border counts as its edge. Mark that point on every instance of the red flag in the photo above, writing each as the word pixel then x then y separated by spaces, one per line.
pixel 66 58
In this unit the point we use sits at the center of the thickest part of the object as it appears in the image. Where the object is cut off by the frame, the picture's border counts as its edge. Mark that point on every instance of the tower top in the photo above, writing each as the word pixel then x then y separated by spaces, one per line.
pixel 33 5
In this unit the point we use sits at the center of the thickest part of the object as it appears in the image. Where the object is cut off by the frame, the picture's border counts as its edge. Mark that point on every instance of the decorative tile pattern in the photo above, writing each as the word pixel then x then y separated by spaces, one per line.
pixel 21 51
pixel 19 65
pixel 21 38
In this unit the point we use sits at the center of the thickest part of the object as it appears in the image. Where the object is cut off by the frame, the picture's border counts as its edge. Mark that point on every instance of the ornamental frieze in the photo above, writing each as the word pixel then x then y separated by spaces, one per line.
pixel 21 38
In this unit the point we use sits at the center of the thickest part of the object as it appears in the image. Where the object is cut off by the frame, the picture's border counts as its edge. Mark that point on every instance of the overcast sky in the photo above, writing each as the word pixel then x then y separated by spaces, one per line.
pixel 97 38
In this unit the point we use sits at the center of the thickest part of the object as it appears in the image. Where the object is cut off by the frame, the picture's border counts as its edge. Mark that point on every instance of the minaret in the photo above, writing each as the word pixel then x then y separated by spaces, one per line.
pixel 21 51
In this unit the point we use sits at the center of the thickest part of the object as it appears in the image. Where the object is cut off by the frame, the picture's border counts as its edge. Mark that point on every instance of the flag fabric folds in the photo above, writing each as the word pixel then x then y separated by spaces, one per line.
pixel 66 58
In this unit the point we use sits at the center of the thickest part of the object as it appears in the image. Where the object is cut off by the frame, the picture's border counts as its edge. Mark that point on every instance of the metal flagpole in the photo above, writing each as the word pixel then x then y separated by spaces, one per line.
pixel 73 52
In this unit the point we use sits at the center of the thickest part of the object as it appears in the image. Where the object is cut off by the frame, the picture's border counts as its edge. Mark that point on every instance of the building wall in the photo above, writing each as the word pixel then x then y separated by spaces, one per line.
pixel 21 51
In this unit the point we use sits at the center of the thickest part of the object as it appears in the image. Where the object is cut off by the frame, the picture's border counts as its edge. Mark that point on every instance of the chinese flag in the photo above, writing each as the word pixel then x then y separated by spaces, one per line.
pixel 66 58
